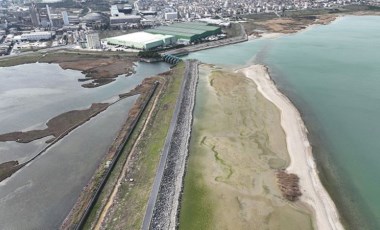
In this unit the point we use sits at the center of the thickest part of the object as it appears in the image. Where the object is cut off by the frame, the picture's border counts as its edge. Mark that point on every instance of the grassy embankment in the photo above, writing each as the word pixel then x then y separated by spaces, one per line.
pixel 128 209
pixel 236 147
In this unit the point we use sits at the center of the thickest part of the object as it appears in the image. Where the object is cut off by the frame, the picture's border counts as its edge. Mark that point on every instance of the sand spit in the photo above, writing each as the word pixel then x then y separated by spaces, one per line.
pixel 237 146
pixel 299 148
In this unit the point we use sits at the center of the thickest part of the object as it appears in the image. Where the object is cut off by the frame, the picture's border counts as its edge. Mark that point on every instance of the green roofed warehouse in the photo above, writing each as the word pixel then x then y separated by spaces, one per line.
pixel 191 31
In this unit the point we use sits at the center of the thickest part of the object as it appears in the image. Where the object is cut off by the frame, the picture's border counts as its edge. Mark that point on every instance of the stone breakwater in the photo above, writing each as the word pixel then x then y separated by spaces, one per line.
pixel 166 207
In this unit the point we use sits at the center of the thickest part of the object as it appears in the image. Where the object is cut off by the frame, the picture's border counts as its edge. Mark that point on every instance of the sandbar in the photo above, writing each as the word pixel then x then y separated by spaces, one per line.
pixel 302 162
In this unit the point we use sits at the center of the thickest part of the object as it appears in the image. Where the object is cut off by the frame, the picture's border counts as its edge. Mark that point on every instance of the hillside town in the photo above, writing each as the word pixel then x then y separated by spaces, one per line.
pixel 29 26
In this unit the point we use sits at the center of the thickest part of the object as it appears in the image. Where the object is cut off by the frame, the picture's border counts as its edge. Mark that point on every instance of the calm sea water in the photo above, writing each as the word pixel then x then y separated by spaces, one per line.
pixel 41 194
pixel 332 74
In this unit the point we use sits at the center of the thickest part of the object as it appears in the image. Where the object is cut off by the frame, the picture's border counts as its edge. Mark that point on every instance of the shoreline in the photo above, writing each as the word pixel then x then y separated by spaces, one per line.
pixel 277 34
pixel 302 161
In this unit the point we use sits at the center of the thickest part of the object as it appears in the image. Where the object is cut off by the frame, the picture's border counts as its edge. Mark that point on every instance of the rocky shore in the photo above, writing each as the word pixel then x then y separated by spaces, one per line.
pixel 174 155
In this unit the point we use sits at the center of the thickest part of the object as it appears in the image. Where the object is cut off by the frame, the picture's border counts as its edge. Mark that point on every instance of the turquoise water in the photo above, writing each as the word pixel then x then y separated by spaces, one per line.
pixel 332 74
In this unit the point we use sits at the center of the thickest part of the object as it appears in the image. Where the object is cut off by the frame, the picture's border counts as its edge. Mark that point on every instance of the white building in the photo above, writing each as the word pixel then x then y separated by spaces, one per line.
pixel 65 18
pixel 36 36
pixel 49 16
pixel 142 40
pixel 115 11
pixel 171 16
pixel 93 41
pixel 8 38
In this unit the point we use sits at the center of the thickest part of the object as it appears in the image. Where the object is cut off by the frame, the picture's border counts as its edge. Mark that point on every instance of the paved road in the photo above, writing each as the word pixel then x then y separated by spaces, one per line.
pixel 166 150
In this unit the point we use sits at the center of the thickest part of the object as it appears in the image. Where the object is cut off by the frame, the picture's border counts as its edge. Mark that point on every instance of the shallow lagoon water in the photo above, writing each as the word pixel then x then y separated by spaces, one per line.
pixel 332 74
pixel 41 194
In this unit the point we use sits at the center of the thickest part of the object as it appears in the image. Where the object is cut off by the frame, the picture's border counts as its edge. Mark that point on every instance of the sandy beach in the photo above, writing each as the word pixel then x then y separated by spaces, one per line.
pixel 300 151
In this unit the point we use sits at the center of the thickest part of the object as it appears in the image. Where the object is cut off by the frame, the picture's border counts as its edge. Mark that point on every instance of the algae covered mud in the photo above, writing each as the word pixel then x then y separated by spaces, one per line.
pixel 236 149
pixel 331 74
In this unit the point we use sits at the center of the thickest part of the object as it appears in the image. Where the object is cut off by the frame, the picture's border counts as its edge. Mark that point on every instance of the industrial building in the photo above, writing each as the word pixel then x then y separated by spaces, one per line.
pixel 171 16
pixel 122 19
pixel 93 41
pixel 34 14
pixel 142 40
pixel 148 12
pixel 190 31
pixel 65 18
pixel 36 36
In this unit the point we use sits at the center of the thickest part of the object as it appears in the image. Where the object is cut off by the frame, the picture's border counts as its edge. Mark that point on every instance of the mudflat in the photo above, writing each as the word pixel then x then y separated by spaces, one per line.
pixel 237 147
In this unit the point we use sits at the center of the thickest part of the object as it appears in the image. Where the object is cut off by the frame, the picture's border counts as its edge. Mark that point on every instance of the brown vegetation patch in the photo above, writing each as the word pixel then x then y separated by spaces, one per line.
pixel 287 24
pixel 145 85
pixel 95 65
pixel 288 183
pixel 8 168
pixel 97 82
pixel 100 70
pixel 58 125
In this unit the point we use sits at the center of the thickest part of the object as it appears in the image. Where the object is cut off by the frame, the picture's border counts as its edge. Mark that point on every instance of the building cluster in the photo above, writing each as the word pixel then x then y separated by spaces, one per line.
pixel 75 23
pixel 166 36
pixel 197 9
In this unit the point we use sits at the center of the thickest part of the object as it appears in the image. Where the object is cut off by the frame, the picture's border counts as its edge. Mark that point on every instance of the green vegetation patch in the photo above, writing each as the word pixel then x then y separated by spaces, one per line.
pixel 196 208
